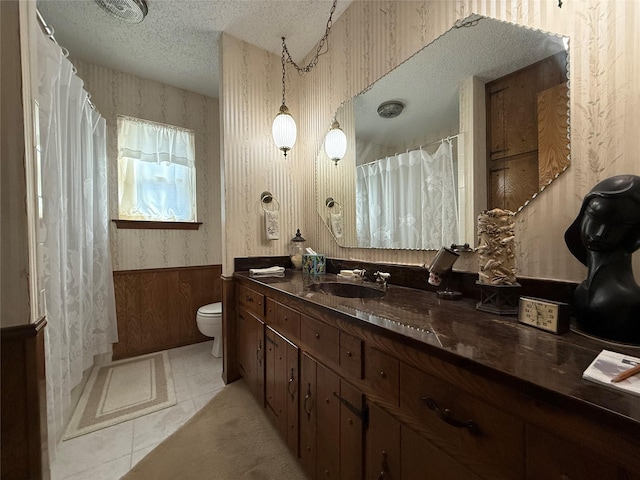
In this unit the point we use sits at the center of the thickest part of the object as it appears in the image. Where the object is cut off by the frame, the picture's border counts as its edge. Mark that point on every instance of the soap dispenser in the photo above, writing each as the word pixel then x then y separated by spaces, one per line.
pixel 296 249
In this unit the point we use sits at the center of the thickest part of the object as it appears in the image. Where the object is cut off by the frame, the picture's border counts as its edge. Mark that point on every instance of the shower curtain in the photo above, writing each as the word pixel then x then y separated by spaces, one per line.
pixel 73 232
pixel 408 201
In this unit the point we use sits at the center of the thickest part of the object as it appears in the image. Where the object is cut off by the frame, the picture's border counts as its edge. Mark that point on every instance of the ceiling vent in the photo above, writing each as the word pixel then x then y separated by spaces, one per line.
pixel 390 109
pixel 131 11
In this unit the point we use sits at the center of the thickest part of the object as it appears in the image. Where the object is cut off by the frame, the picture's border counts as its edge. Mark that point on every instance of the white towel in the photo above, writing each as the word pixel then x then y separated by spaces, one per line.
pixel 272 224
pixel 267 271
pixel 336 224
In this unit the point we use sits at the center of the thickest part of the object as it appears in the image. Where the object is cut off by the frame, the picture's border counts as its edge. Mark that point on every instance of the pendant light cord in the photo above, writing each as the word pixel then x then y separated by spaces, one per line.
pixel 319 51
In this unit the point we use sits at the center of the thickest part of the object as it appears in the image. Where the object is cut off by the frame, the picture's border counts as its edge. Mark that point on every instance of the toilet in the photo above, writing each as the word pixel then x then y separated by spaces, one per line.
pixel 209 319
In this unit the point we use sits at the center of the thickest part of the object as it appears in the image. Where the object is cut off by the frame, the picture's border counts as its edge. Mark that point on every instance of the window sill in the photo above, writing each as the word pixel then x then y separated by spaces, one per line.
pixel 149 225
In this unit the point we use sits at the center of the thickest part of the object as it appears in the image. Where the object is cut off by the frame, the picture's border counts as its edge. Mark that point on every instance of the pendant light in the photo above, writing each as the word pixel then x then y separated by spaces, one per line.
pixel 335 143
pixel 284 128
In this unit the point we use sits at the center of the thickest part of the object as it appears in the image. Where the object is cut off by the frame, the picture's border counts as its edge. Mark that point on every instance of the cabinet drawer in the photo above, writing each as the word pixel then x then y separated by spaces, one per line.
pixel 351 355
pixel 283 319
pixel 480 436
pixel 382 374
pixel 251 300
pixel 322 339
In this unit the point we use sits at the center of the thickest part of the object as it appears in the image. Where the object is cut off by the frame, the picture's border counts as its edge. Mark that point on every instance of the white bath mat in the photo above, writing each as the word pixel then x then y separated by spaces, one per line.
pixel 123 390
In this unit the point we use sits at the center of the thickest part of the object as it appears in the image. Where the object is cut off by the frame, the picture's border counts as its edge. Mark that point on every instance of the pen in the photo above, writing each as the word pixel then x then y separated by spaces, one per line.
pixel 626 374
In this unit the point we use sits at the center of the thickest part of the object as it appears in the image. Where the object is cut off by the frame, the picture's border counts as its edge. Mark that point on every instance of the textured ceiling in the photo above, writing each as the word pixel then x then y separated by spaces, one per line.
pixel 177 43
pixel 428 82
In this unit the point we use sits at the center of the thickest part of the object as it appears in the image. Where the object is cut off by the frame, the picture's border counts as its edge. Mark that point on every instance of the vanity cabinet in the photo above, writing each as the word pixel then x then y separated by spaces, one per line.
pixel 356 400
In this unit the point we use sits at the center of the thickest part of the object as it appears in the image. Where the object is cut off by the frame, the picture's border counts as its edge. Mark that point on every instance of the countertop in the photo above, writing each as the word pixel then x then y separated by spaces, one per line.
pixel 495 344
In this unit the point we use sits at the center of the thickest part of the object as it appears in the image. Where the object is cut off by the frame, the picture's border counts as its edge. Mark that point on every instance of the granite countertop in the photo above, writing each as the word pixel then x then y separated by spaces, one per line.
pixel 493 343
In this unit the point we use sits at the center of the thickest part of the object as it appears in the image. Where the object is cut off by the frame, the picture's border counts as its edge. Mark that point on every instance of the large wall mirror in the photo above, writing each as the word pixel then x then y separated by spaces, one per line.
pixel 477 119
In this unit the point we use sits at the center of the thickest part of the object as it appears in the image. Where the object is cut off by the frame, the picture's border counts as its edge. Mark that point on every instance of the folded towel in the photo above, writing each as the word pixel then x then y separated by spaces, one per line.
pixel 336 224
pixel 266 271
pixel 264 275
pixel 272 224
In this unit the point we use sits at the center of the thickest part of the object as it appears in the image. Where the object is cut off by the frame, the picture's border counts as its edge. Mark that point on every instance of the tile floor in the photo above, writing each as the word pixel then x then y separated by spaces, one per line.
pixel 109 453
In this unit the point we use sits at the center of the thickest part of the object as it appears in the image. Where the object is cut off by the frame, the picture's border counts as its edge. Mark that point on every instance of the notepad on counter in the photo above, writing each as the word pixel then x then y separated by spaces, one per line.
pixel 608 365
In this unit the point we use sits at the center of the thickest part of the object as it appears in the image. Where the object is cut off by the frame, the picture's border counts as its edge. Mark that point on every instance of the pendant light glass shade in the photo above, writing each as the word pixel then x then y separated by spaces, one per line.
pixel 335 143
pixel 284 130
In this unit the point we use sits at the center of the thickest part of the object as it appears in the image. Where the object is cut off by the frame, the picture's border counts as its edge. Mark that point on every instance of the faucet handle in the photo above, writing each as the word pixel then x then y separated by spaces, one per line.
pixel 382 277
pixel 360 272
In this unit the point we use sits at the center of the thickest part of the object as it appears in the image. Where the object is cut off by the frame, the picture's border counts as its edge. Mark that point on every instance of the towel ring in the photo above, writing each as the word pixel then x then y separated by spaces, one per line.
pixel 330 203
pixel 266 198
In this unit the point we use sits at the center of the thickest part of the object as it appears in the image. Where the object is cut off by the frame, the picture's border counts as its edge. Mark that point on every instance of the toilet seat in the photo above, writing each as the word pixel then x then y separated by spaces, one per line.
pixel 213 309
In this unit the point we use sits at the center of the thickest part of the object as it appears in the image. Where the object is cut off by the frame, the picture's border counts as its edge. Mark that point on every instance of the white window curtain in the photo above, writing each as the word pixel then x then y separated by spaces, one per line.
pixel 156 171
pixel 73 234
pixel 408 201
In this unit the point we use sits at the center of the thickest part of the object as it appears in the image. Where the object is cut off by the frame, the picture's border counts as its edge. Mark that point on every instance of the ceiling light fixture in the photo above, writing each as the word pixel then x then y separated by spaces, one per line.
pixel 131 11
pixel 284 128
pixel 390 109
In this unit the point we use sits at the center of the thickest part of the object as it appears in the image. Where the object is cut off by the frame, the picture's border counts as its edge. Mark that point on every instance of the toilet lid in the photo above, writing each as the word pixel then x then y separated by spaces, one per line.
pixel 211 309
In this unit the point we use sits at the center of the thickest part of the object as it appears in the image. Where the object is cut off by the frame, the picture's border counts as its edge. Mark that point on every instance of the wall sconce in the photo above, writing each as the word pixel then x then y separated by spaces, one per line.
pixel 440 269
pixel 335 143
pixel 284 128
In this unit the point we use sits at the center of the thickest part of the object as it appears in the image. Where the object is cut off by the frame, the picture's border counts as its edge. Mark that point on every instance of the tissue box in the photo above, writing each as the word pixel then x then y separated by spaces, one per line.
pixel 313 264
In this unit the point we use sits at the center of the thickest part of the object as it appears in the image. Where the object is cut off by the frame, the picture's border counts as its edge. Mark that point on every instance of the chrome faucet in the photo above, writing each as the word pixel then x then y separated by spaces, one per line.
pixel 382 278
pixel 360 272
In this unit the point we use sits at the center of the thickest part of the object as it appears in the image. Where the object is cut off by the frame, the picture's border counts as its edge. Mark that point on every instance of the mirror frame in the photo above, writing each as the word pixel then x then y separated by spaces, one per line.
pixel 475 195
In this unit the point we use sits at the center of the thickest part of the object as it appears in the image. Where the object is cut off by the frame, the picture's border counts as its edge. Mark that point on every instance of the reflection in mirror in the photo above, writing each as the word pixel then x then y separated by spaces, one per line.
pixel 475 120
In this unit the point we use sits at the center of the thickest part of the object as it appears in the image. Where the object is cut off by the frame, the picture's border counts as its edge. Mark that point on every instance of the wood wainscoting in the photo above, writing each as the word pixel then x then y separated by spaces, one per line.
pixel 24 444
pixel 156 308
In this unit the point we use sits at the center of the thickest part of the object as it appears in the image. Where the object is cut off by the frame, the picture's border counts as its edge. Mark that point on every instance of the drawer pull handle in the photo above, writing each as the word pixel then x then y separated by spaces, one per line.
pixel 317 335
pixel 445 415
pixel 383 375
pixel 259 353
pixel 249 298
pixel 291 384
pixel 349 354
pixel 306 398
pixel 384 467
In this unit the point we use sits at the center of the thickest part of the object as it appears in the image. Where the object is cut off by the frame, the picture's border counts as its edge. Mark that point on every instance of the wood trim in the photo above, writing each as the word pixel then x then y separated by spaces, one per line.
pixel 23 443
pixel 156 308
pixel 229 353
pixel 149 225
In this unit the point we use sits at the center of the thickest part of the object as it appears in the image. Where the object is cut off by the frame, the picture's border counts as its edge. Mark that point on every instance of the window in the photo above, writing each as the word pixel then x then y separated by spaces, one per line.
pixel 156 172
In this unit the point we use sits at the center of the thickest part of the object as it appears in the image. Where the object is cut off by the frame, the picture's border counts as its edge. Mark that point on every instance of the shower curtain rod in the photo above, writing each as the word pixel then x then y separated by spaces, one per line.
pixel 49 31
pixel 444 139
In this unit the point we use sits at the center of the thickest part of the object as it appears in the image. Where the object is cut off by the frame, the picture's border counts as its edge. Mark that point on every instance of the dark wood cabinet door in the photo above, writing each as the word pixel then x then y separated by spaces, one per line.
pixel 292 396
pixel 275 379
pixel 422 461
pixel 328 423
pixel 250 347
pixel 351 432
pixel 554 458
pixel 383 446
pixel 308 401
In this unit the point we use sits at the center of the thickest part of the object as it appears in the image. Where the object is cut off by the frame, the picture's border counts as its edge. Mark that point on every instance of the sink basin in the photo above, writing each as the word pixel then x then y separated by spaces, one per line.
pixel 348 290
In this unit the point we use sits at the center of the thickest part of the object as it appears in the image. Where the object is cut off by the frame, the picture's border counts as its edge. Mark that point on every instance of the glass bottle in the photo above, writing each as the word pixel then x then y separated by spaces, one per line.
pixel 296 249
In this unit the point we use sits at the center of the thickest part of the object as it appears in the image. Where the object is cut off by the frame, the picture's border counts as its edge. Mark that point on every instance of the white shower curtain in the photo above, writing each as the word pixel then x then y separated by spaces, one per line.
pixel 73 232
pixel 408 201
